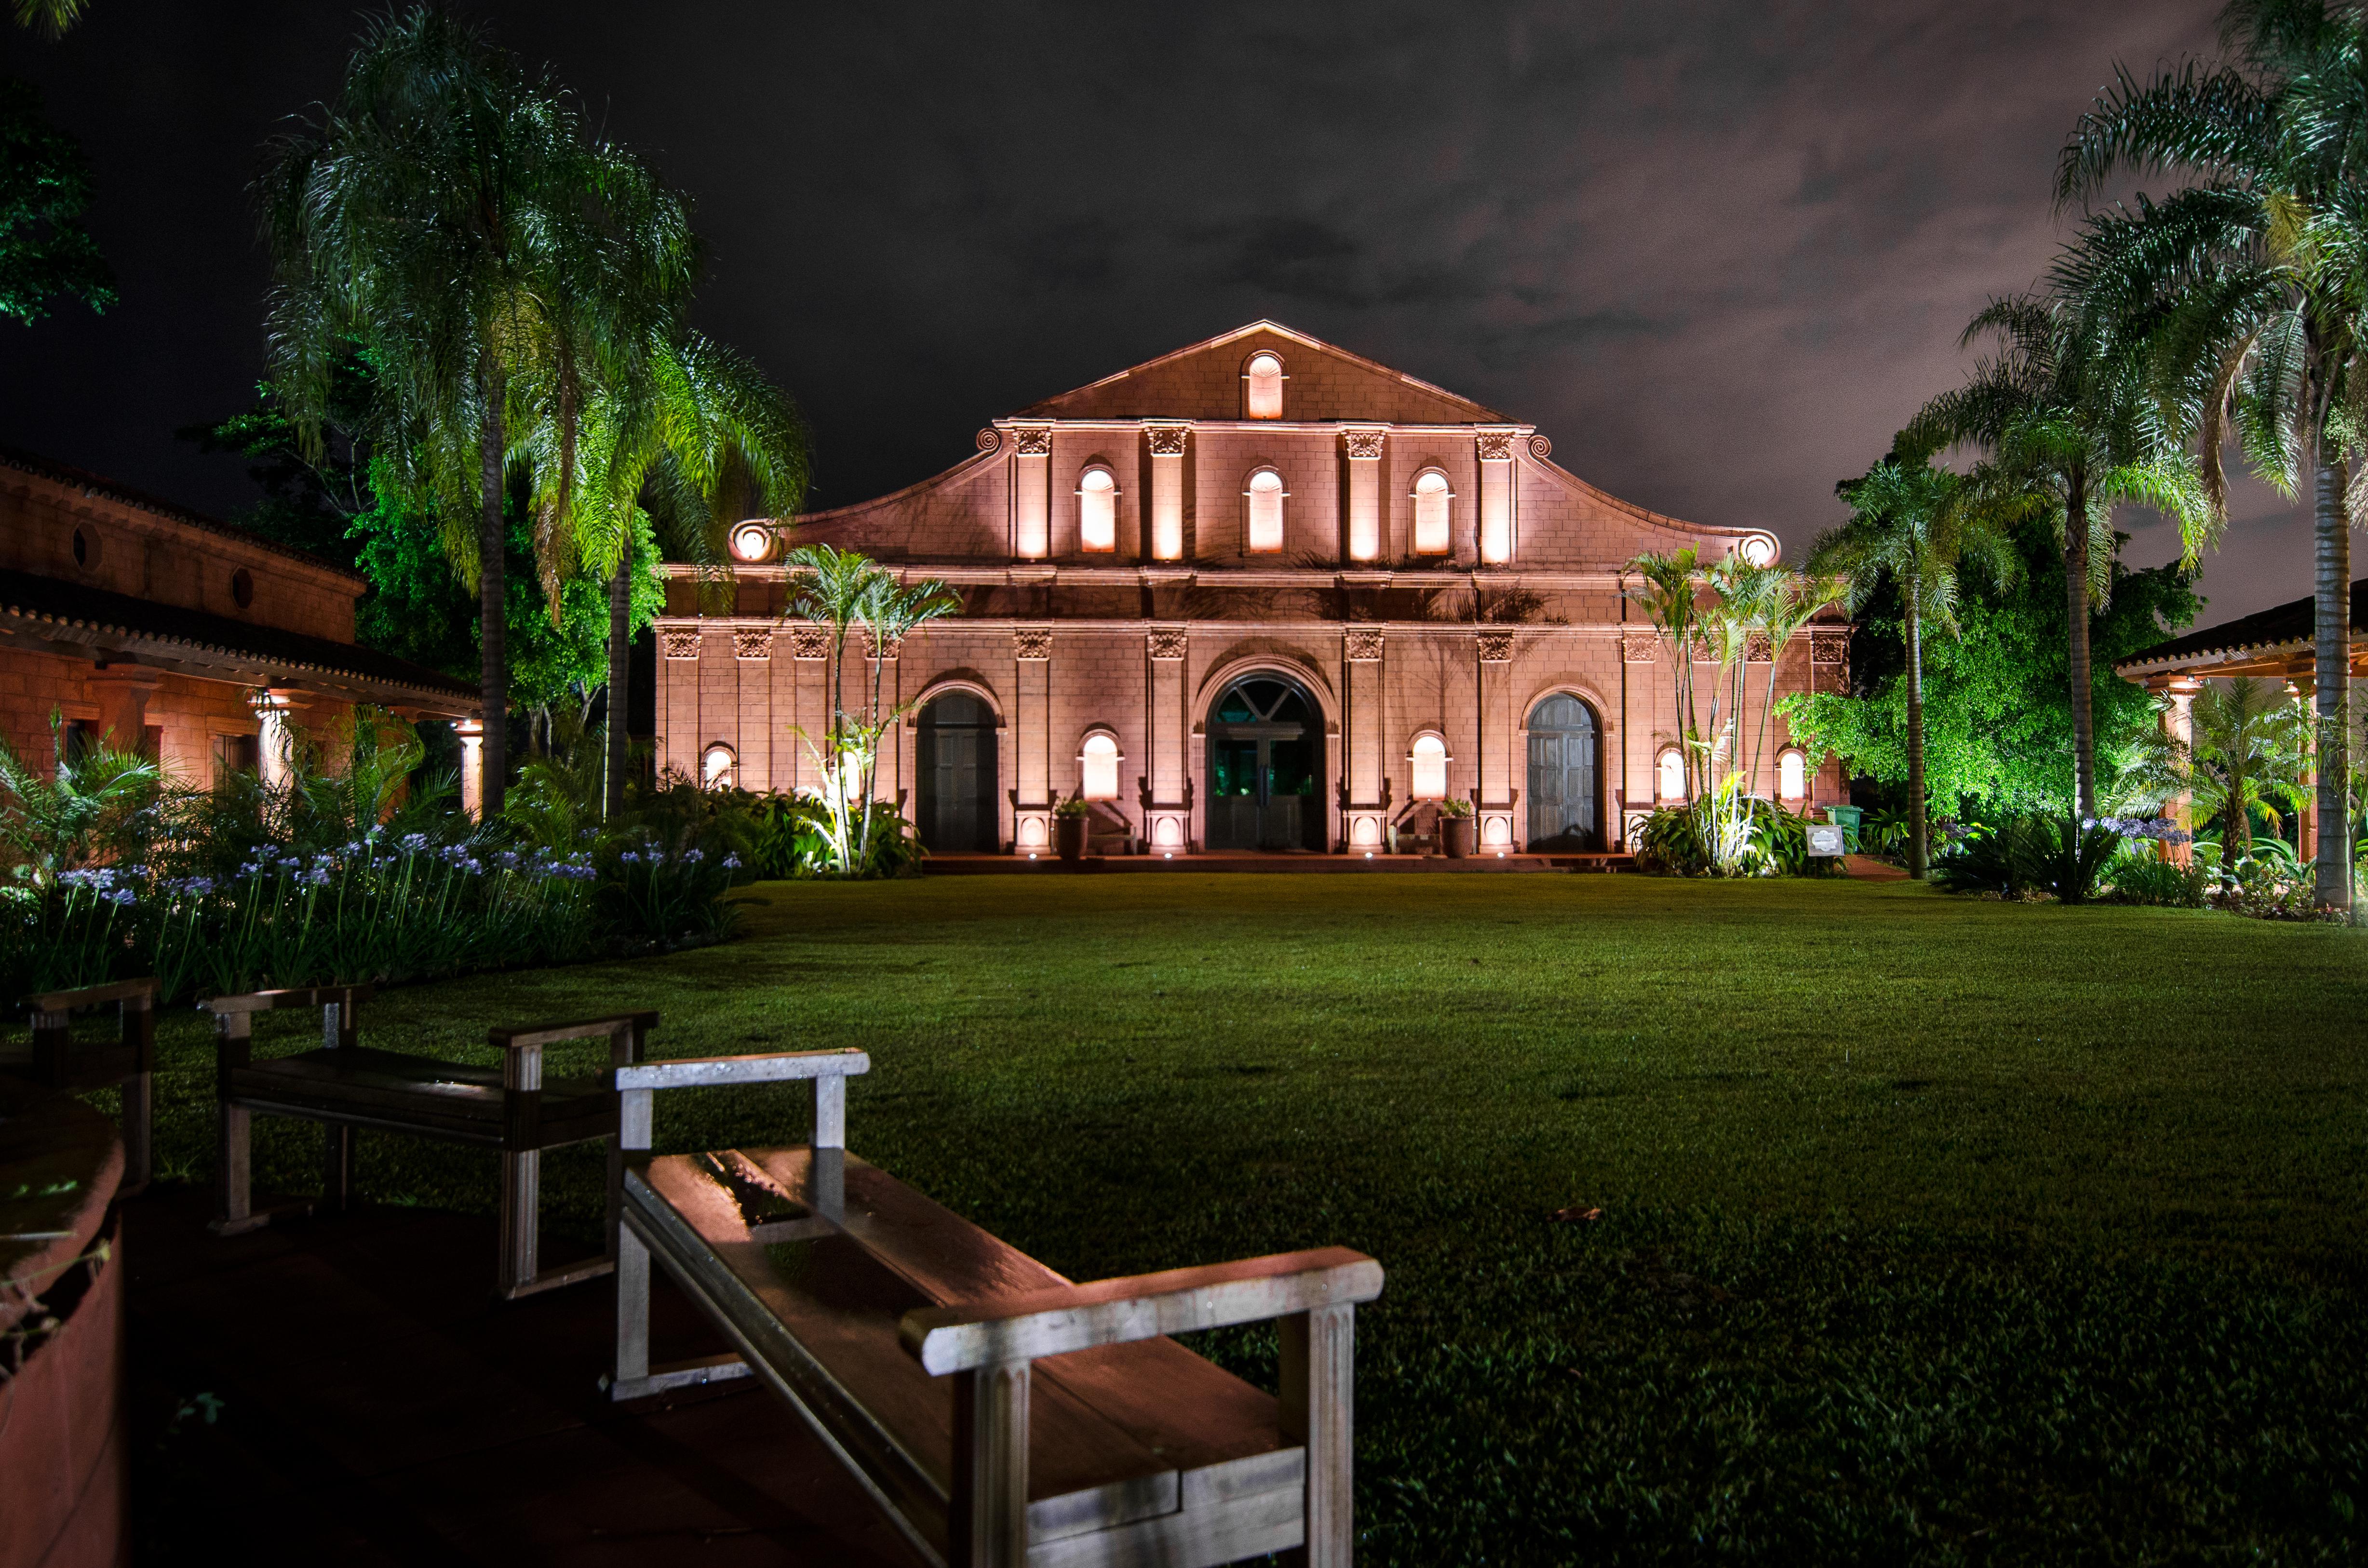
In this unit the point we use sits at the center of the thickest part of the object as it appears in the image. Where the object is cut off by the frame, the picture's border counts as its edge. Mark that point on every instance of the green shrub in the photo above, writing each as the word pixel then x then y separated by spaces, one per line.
pixel 2138 876
pixel 2029 855
pixel 1675 842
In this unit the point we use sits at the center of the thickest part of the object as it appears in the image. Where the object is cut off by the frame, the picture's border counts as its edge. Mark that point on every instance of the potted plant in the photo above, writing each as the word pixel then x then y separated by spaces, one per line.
pixel 1072 820
pixel 1455 828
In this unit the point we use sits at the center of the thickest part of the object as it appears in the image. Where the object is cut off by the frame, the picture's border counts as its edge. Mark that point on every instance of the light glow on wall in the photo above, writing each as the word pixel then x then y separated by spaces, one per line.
pixel 1757 549
pixel 1097 767
pixel 1264 375
pixel 1671 771
pixel 752 541
pixel 1097 509
pixel 1266 493
pixel 715 767
pixel 1791 775
pixel 1428 766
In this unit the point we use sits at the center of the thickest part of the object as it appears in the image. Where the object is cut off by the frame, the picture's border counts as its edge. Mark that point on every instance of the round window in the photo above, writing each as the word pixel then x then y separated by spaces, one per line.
pixel 242 587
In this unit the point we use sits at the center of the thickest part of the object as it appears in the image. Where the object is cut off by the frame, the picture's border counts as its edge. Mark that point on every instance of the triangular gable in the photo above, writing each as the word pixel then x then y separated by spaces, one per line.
pixel 1323 382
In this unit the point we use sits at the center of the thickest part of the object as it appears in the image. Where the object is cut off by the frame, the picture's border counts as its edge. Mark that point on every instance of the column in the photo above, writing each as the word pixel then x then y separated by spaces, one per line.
pixel 751 659
pixel 1031 738
pixel 122 692
pixel 472 767
pixel 1364 494
pixel 2178 724
pixel 1639 694
pixel 1166 490
pixel 1362 737
pixel 782 706
pixel 1167 788
pixel 1032 493
pixel 810 700
pixel 1498 834
pixel 1496 499
pixel 678 699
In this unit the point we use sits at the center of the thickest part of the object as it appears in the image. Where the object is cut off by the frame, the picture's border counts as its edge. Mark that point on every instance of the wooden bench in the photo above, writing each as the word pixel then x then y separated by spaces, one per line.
pixel 345 1085
pixel 55 1060
pixel 998 1414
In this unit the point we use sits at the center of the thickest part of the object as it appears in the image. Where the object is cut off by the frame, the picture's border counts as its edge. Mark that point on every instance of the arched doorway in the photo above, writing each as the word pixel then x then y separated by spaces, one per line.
pixel 1565 810
pixel 1266 764
pixel 958 776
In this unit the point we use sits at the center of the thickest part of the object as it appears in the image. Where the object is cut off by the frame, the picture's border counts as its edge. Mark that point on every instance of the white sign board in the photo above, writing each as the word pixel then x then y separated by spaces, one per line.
pixel 1826 839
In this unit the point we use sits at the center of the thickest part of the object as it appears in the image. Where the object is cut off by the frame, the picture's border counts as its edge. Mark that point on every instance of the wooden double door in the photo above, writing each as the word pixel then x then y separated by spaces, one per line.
pixel 958 772
pixel 1566 803
pixel 1265 768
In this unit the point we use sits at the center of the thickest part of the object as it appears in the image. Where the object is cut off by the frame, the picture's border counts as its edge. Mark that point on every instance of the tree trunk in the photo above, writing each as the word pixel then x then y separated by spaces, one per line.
pixel 1919 855
pixel 2331 624
pixel 2076 612
pixel 493 663
pixel 621 663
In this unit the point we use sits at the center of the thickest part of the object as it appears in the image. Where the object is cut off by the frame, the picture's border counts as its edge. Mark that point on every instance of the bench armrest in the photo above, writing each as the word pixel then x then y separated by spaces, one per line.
pixel 692 1072
pixel 92 995
pixel 586 1028
pixel 270 1001
pixel 962 1337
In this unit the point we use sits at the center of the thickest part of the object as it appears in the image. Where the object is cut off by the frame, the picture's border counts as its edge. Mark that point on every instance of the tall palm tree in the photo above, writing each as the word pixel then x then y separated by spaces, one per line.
pixel 1666 588
pixel 450 214
pixel 1915 525
pixel 2259 271
pixel 2249 754
pixel 2063 409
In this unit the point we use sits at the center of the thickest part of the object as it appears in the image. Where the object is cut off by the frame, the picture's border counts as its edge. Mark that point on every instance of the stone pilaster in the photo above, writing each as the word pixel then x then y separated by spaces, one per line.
pixel 1165 790
pixel 1364 493
pixel 1366 808
pixel 1496 452
pixel 1498 793
pixel 752 657
pixel 678 699
pixel 1032 739
pixel 810 700
pixel 1031 491
pixel 1166 490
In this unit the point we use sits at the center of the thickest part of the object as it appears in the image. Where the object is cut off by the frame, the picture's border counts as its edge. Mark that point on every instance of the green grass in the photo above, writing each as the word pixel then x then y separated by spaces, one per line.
pixel 1933 1230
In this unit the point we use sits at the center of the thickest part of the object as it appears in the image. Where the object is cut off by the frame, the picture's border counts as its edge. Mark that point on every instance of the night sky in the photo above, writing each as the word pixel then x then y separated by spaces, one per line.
pixel 1717 252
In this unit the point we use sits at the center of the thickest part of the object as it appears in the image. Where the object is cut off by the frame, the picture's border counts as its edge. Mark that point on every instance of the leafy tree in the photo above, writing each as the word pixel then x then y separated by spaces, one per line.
pixel 1913 525
pixel 1998 711
pixel 45 253
pixel 451 214
pixel 2063 410
pixel 55 18
pixel 2257 271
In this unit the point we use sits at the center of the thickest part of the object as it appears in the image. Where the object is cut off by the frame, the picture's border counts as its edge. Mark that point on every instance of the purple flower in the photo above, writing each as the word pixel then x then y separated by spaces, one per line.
pixel 693 856
pixel 731 862
pixel 411 843
pixel 629 858
pixel 119 896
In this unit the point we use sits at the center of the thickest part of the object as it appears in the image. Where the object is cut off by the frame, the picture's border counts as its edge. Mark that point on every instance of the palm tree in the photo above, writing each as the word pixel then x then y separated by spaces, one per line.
pixel 1667 594
pixel 2258 271
pixel 2063 410
pixel 55 18
pixel 1915 525
pixel 2249 754
pixel 450 217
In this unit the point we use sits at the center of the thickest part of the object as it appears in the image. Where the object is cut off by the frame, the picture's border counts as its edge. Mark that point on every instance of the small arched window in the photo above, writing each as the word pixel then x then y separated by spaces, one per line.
pixel 1434 506
pixel 1263 378
pixel 1097 767
pixel 1097 509
pixel 1428 764
pixel 1669 781
pixel 716 766
pixel 1266 496
pixel 1791 775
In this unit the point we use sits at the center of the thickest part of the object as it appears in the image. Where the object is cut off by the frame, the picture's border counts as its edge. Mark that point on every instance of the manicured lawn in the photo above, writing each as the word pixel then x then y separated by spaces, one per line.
pixel 1932 1229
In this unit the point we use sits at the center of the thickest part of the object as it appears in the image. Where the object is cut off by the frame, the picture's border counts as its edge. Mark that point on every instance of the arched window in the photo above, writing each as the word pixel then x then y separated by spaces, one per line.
pixel 716 766
pixel 1429 762
pixel 1097 767
pixel 1097 509
pixel 1263 375
pixel 1266 493
pixel 1669 782
pixel 1434 506
pixel 1791 775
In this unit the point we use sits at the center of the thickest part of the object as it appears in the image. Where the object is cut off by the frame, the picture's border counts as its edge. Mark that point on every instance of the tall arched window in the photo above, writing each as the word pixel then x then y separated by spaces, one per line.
pixel 1791 775
pixel 1097 509
pixel 716 765
pixel 1428 763
pixel 1671 775
pixel 1266 493
pixel 1434 506
pixel 1263 375
pixel 1097 767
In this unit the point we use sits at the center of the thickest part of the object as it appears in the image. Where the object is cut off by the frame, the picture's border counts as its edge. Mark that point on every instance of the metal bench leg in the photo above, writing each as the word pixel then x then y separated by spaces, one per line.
pixel 987 1518
pixel 336 1168
pixel 1319 1372
pixel 633 1315
pixel 521 1200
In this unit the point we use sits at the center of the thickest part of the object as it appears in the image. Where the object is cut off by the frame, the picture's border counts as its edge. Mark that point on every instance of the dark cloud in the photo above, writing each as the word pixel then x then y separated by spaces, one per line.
pixel 1719 251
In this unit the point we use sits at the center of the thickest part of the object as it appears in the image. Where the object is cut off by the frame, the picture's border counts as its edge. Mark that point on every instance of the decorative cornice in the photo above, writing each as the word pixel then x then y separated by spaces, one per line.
pixel 1031 642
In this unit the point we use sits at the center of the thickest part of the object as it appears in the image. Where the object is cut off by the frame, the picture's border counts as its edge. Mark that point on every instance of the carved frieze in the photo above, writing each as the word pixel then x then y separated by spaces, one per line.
pixel 1032 441
pixel 809 643
pixel 1756 649
pixel 1640 647
pixel 1831 655
pixel 1166 440
pixel 880 649
pixel 1364 645
pixel 680 645
pixel 752 642
pixel 1167 643
pixel 1496 647
pixel 1031 642
pixel 1364 443
pixel 1495 449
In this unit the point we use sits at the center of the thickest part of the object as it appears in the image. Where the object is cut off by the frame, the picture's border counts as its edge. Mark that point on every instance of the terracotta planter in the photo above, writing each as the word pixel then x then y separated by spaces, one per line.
pixel 1069 836
pixel 1456 837
pixel 62 1454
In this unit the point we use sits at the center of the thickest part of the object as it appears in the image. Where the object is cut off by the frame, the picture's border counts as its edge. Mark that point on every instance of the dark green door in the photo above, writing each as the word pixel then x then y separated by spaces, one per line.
pixel 1563 800
pixel 957 775
pixel 1265 765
